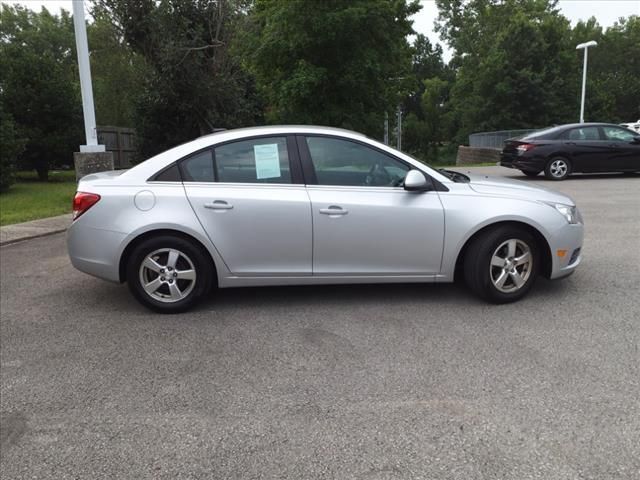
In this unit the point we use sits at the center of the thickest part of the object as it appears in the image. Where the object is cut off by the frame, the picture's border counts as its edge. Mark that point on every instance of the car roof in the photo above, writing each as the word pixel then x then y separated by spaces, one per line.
pixel 154 164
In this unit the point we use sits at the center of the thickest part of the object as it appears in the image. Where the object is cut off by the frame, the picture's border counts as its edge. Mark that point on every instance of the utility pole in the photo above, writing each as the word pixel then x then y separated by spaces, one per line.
pixel 585 47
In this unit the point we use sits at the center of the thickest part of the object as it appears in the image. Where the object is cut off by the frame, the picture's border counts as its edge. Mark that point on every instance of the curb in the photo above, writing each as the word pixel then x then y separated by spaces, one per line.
pixel 31 237
pixel 20 232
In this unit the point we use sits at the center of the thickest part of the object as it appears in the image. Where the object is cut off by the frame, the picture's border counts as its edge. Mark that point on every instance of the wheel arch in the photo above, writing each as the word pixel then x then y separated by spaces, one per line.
pixel 130 247
pixel 546 264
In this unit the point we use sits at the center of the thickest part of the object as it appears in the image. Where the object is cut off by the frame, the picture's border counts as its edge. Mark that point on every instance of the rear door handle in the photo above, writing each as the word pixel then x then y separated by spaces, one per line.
pixel 334 210
pixel 218 205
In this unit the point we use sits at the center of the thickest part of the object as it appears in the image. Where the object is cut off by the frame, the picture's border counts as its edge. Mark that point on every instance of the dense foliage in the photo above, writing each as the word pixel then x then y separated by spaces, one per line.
pixel 39 85
pixel 177 69
pixel 330 63
pixel 192 83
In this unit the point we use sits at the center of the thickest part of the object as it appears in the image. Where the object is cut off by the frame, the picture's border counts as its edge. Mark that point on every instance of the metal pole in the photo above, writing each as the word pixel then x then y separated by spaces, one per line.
pixel 386 128
pixel 85 79
pixel 399 137
pixel 584 84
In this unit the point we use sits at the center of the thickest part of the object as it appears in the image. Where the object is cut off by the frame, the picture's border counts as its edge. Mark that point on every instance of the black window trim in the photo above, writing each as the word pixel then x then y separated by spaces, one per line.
pixel 310 172
pixel 295 166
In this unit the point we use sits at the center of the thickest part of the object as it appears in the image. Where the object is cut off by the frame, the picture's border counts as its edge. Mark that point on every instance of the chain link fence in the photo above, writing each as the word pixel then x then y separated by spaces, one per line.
pixel 495 139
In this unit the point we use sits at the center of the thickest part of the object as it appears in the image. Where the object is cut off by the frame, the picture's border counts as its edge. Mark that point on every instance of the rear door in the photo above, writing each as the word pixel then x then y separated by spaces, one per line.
pixel 364 222
pixel 250 199
pixel 623 155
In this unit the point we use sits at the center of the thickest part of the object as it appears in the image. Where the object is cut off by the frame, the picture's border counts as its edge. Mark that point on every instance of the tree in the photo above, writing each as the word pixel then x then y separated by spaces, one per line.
pixel 10 147
pixel 193 83
pixel 39 85
pixel 117 73
pixel 514 64
pixel 426 125
pixel 331 63
pixel 613 70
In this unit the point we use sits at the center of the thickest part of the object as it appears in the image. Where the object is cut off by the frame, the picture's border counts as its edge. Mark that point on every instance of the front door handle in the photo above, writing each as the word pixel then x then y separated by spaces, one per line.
pixel 334 210
pixel 218 205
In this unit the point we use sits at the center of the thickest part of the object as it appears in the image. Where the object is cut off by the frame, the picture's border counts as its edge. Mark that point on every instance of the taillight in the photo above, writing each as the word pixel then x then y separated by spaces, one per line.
pixel 83 201
pixel 525 147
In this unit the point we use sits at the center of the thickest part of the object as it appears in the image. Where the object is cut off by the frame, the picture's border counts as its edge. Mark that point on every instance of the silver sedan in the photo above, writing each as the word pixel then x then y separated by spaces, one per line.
pixel 290 205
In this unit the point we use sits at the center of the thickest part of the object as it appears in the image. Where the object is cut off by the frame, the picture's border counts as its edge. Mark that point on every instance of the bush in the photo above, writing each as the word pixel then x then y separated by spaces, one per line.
pixel 10 147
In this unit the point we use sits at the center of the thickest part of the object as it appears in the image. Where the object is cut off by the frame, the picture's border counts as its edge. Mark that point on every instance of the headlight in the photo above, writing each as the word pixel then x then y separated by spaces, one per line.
pixel 570 213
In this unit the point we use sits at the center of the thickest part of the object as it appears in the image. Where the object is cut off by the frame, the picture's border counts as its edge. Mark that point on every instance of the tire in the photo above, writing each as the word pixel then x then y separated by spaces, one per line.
pixel 177 273
pixel 530 174
pixel 558 168
pixel 485 278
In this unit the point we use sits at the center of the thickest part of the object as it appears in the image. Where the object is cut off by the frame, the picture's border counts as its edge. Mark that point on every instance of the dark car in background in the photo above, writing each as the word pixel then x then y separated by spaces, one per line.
pixel 580 147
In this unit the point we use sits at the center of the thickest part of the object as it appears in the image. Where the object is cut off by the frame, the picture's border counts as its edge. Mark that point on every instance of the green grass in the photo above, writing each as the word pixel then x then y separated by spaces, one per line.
pixel 29 199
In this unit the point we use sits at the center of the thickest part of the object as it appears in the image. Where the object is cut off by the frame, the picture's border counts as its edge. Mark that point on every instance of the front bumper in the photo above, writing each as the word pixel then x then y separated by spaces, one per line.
pixel 566 250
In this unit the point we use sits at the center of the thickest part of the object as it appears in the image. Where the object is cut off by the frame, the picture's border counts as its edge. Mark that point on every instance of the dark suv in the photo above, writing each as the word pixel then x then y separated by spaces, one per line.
pixel 579 147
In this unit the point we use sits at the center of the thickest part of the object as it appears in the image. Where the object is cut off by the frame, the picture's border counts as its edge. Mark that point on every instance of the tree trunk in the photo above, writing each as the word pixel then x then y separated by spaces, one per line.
pixel 43 173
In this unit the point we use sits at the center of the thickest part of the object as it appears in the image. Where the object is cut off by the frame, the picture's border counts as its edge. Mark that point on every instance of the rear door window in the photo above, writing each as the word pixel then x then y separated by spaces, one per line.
pixel 582 133
pixel 260 160
pixel 198 167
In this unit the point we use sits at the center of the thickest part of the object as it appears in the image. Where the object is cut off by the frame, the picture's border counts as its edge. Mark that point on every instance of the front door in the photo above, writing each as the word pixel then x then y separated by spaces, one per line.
pixel 252 207
pixel 623 153
pixel 588 151
pixel 364 222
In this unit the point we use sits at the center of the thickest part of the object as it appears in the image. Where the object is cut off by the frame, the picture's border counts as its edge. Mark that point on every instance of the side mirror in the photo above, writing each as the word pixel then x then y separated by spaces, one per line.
pixel 415 181
pixel 636 140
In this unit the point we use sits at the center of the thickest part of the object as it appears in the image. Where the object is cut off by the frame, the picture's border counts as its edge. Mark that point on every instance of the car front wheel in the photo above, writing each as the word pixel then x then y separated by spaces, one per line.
pixel 168 274
pixel 501 265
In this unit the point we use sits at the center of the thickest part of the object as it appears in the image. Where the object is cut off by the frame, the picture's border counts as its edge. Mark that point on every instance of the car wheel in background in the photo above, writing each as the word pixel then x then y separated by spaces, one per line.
pixel 501 264
pixel 168 274
pixel 558 168
pixel 530 174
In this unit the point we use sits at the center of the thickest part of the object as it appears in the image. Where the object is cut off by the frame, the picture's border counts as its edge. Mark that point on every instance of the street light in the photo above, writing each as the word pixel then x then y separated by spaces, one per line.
pixel 585 47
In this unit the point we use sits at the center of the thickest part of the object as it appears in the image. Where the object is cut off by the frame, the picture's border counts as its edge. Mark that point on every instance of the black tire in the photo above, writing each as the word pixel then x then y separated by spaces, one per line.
pixel 190 257
pixel 530 174
pixel 480 274
pixel 558 168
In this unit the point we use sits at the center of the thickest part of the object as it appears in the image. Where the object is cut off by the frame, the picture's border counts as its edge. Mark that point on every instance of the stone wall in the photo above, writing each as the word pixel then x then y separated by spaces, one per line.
pixel 471 155
pixel 92 162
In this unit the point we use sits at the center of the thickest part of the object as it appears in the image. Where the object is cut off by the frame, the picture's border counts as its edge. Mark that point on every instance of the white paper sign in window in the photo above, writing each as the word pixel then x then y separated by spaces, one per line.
pixel 267 161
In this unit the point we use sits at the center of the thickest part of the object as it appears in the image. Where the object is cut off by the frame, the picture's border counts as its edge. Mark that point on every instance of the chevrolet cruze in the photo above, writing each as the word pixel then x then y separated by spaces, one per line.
pixel 293 205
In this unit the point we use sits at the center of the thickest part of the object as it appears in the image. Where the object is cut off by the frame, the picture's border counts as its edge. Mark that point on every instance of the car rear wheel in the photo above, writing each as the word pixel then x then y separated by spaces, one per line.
pixel 501 265
pixel 530 174
pixel 168 274
pixel 558 168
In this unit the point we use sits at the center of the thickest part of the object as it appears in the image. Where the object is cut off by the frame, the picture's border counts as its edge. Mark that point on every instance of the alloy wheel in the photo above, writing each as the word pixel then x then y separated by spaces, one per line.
pixel 167 275
pixel 511 265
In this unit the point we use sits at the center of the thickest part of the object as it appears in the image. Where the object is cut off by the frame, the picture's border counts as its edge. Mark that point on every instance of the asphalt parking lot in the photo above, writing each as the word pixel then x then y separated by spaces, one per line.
pixel 355 382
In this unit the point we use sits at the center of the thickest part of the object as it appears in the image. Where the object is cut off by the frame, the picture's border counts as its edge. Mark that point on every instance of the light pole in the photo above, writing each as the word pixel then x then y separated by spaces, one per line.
pixel 92 157
pixel 85 80
pixel 585 47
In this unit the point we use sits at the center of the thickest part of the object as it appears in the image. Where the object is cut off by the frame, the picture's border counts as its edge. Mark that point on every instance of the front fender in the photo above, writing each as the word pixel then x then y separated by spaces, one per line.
pixel 466 215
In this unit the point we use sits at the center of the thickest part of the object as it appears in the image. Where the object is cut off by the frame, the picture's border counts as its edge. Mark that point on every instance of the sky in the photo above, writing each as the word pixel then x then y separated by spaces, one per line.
pixel 605 11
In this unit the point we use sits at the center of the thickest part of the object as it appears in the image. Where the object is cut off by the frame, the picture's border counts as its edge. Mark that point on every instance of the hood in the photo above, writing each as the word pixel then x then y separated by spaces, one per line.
pixel 516 188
